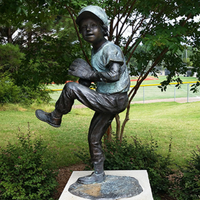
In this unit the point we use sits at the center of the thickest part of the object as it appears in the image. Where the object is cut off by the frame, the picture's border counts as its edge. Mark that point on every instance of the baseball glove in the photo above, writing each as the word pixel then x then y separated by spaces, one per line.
pixel 80 68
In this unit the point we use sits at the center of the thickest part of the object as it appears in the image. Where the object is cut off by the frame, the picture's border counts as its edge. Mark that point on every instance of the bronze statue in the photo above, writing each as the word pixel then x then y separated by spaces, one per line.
pixel 109 72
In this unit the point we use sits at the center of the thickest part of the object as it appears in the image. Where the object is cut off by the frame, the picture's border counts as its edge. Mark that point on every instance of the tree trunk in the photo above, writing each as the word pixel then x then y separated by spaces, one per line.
pixel 9 35
pixel 108 135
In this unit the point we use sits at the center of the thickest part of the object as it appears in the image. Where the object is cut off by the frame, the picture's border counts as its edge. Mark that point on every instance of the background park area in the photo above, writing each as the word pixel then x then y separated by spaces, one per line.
pixel 38 42
pixel 163 120
pixel 149 90
pixel 172 126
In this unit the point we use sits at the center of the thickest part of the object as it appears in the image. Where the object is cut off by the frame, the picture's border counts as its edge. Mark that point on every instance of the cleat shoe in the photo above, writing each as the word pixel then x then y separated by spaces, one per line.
pixel 93 178
pixel 48 118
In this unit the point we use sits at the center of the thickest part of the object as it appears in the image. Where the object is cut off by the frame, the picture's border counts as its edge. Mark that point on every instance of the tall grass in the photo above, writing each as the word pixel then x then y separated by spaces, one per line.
pixel 160 120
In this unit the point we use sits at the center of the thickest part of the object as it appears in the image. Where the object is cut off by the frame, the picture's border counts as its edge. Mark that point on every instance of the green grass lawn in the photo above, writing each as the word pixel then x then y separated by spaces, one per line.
pixel 153 92
pixel 166 120
pixel 160 120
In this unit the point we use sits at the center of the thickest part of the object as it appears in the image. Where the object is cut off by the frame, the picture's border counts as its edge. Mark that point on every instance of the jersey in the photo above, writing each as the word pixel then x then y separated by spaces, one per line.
pixel 109 52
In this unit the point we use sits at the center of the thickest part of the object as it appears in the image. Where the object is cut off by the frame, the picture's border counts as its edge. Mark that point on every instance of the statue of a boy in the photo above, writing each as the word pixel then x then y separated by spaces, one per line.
pixel 110 73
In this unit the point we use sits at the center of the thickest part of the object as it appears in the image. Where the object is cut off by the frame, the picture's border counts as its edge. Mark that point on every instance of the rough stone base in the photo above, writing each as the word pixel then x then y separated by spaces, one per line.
pixel 122 184
pixel 114 187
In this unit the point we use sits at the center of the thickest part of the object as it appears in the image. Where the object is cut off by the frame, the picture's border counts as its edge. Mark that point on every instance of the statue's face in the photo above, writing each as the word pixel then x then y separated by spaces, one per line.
pixel 91 31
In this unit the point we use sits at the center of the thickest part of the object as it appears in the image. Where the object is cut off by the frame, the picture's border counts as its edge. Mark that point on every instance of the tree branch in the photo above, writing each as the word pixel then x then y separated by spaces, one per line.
pixel 127 15
pixel 77 32
pixel 123 13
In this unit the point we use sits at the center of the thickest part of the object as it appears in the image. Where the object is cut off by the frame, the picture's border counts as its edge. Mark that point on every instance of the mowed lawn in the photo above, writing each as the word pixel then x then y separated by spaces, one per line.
pixel 162 121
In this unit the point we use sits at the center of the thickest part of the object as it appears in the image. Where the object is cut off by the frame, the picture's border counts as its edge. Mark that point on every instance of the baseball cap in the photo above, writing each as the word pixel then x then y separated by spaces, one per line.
pixel 94 10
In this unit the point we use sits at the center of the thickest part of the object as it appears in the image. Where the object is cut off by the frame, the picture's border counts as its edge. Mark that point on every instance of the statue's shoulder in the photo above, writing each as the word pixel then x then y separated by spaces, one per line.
pixel 110 48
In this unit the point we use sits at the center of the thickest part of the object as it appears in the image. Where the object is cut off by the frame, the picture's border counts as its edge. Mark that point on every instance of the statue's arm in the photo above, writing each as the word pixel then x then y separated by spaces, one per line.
pixel 111 75
pixel 81 69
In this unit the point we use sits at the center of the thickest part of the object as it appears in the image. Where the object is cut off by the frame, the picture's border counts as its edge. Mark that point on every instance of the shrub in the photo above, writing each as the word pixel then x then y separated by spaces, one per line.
pixel 10 58
pixel 187 184
pixel 30 95
pixel 9 93
pixel 26 171
pixel 20 81
pixel 136 155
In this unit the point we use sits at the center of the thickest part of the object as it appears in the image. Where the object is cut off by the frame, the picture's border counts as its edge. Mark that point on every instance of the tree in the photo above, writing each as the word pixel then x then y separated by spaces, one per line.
pixel 44 31
pixel 165 27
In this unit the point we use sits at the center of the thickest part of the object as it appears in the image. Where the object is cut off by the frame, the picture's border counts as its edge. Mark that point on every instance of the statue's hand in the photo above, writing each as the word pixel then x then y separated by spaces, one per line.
pixel 80 68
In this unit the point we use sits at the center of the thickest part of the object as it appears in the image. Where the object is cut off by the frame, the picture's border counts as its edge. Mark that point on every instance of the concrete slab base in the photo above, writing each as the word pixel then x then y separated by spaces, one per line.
pixel 140 175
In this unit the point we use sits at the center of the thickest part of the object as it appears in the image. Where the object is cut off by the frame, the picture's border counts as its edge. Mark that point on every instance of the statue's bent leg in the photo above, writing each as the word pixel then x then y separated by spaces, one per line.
pixel 63 105
pixel 90 98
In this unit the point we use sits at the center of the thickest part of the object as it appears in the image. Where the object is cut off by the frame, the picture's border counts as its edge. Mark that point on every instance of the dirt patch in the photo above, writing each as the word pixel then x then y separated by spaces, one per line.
pixel 147 79
pixel 63 177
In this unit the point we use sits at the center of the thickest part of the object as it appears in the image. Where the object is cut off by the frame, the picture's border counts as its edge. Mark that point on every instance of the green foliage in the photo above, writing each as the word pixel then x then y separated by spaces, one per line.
pixel 136 155
pixel 26 170
pixel 10 58
pixel 9 92
pixel 187 184
pixel 44 29
pixel 164 29
pixel 139 156
pixel 19 81
pixel 195 87
pixel 30 95
pixel 50 55
pixel 14 13
pixel 195 57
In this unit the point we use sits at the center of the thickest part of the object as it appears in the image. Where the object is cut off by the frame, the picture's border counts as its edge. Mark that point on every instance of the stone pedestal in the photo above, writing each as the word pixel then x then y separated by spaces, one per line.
pixel 94 190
